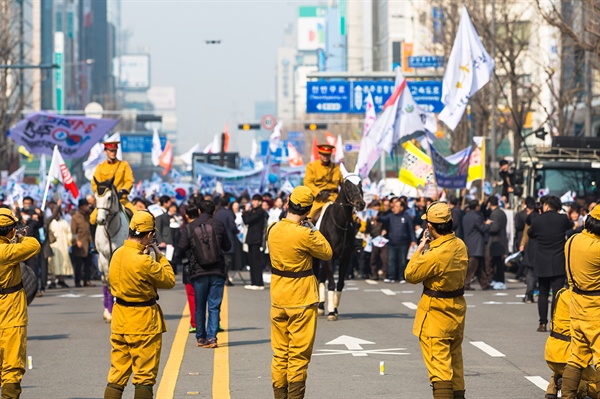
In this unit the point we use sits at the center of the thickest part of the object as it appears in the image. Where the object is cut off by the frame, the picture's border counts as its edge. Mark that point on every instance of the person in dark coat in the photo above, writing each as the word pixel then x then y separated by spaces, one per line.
pixel 457 217
pixel 226 216
pixel 475 230
pixel 497 244
pixel 528 247
pixel 401 233
pixel 164 236
pixel 520 221
pixel 255 217
pixel 549 229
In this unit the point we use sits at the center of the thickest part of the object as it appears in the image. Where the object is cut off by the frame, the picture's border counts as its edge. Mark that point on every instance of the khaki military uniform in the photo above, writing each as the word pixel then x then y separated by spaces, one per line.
pixel 440 322
pixel 123 179
pixel 319 177
pixel 293 300
pixel 136 331
pixel 582 255
pixel 13 309
pixel 558 345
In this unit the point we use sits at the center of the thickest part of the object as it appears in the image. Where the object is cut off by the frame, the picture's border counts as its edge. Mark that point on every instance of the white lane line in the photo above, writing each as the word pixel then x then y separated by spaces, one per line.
pixel 371 290
pixel 493 303
pixel 468 295
pixel 410 305
pixel 538 381
pixel 372 282
pixel 351 288
pixel 470 306
pixel 501 294
pixel 96 296
pixel 387 291
pixel 407 292
pixel 487 349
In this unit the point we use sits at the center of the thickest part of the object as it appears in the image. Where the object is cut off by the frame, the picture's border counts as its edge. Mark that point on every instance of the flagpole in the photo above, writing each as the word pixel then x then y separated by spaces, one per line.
pixel 46 192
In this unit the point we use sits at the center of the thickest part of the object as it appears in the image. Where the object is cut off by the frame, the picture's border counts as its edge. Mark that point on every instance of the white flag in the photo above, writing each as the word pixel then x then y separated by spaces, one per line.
pixel 214 147
pixel 42 172
pixel 275 137
pixel 370 114
pixel 253 150
pixel 17 176
pixel 411 120
pixel 469 69
pixel 187 156
pixel 339 149
pixel 59 171
pixel 156 148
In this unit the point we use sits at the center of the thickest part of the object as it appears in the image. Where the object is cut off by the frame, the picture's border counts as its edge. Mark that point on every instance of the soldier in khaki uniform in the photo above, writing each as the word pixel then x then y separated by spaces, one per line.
pixel 440 319
pixel 113 168
pixel 13 303
pixel 137 320
pixel 294 295
pixel 582 255
pixel 557 349
pixel 323 177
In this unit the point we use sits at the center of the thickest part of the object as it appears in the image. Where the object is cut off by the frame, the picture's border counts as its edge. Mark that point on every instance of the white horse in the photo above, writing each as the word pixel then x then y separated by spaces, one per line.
pixel 111 231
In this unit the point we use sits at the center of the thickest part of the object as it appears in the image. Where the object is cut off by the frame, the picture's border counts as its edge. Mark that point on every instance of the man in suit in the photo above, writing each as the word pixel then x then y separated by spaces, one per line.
pixel 475 230
pixel 457 216
pixel 497 245
pixel 549 229
pixel 163 228
pixel 226 216
pixel 255 217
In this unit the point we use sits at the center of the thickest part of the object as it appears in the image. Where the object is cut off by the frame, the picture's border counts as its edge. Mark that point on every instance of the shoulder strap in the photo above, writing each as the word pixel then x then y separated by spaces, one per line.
pixel 568 255
pixel 269 229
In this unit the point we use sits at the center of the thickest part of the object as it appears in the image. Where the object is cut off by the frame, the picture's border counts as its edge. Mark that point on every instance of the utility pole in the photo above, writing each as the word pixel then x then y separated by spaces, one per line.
pixel 587 74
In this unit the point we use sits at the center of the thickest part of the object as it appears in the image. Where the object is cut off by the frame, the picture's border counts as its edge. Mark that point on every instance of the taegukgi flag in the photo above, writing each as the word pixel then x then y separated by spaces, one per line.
pixel 469 69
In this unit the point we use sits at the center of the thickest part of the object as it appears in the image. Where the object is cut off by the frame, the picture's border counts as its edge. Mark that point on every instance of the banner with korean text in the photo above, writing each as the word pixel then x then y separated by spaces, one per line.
pixel 73 135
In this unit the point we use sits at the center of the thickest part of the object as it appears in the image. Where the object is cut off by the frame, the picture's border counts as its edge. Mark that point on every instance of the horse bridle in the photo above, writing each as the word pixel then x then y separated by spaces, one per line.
pixel 345 205
pixel 112 216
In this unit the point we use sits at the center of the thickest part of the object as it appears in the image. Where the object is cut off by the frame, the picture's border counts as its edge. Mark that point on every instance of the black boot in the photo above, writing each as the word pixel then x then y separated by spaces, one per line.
pixel 570 382
pixel 11 390
pixel 143 392
pixel 114 391
pixel 443 390
pixel 296 390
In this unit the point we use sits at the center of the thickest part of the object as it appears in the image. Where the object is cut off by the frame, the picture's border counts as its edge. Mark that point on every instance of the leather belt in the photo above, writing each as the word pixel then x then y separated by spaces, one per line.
pixel 444 294
pixel 288 274
pixel 10 290
pixel 560 336
pixel 583 292
pixel 135 304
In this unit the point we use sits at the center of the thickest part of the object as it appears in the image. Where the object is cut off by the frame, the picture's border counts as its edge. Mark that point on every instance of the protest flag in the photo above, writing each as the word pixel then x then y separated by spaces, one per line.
pixel 226 138
pixel 314 153
pixel 59 171
pixel 166 158
pixel 294 157
pixel 416 167
pixel 477 161
pixel 370 114
pixel 469 69
pixel 339 149
pixel 156 148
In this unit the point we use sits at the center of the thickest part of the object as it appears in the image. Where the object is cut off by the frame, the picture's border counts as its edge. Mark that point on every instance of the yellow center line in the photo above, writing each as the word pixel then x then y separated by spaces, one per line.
pixel 166 386
pixel 220 383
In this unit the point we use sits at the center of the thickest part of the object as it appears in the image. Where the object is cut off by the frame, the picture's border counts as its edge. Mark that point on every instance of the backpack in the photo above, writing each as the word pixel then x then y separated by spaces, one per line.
pixel 205 246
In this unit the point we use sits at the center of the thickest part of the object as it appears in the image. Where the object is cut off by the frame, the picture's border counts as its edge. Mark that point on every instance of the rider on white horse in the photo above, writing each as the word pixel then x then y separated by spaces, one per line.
pixel 116 170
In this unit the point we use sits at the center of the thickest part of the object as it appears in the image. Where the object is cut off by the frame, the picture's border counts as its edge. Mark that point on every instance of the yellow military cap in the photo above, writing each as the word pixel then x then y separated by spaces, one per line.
pixel 595 213
pixel 302 196
pixel 438 212
pixel 7 218
pixel 142 222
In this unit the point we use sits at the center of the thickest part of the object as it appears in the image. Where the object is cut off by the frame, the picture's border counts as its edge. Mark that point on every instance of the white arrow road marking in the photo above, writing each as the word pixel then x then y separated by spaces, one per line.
pixel 69 296
pixel 538 381
pixel 387 291
pixel 328 352
pixel 410 305
pixel 487 349
pixel 350 342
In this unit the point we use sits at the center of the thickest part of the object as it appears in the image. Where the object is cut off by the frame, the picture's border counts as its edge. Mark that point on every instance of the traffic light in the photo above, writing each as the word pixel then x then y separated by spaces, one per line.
pixel 249 126
pixel 315 126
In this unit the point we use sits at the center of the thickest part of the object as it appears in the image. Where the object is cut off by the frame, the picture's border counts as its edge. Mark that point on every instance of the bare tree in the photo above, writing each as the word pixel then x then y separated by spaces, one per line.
pixel 13 95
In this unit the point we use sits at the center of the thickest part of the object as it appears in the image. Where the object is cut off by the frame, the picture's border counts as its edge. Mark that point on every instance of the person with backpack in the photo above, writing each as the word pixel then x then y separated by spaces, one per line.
pixel 14 248
pixel 294 294
pixel 204 240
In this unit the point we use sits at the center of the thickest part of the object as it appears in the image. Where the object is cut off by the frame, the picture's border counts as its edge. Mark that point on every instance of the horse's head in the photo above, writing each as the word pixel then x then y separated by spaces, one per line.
pixel 352 189
pixel 107 201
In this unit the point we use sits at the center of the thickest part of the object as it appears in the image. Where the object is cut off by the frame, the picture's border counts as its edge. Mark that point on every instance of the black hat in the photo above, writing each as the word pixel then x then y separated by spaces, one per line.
pixel 82 202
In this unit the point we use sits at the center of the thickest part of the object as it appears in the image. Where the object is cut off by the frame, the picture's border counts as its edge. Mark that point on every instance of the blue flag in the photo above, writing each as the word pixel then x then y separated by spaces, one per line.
pixel 451 172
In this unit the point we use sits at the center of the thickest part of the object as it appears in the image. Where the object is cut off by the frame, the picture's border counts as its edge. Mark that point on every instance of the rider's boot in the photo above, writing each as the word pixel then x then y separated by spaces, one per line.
pixel 331 313
pixel 11 390
pixel 280 393
pixel 321 309
pixel 443 390
pixel 143 392
pixel 570 381
pixel 296 390
pixel 459 394
pixel 114 391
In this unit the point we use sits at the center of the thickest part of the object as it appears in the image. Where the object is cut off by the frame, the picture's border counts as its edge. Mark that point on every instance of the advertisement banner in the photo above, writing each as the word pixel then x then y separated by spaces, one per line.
pixel 311 28
pixel 74 135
